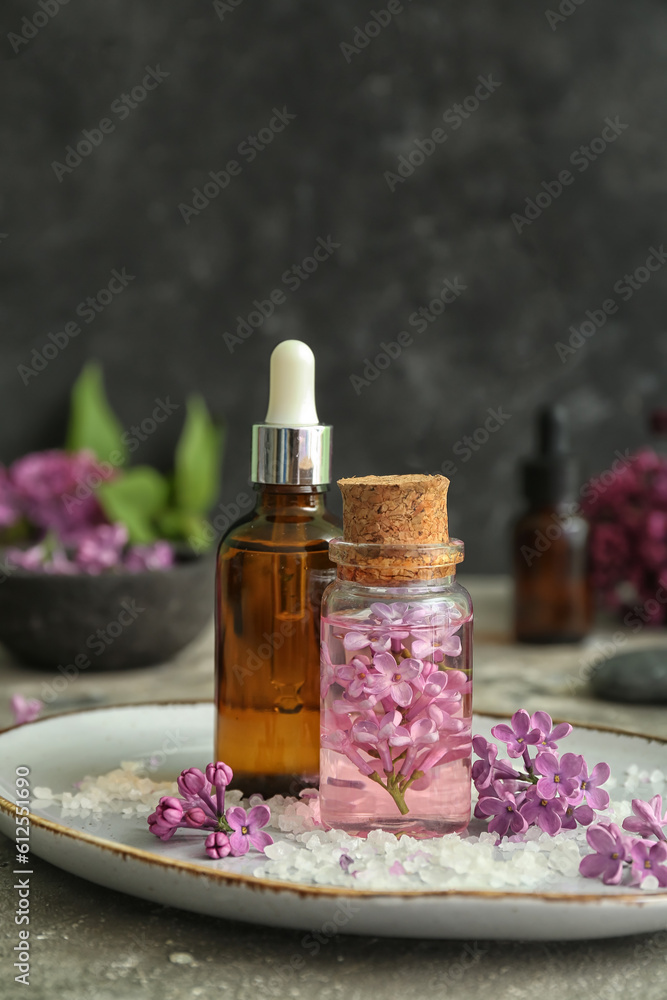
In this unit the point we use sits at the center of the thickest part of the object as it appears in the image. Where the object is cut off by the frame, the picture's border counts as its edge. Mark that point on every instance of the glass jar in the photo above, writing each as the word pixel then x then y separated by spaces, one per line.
pixel 396 691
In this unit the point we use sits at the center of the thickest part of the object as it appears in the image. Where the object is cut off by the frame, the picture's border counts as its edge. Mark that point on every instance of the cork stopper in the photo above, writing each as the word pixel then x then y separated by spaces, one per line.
pixel 395 529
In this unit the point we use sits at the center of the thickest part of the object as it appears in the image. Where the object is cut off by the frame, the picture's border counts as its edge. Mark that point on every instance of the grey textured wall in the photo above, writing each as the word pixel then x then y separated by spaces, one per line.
pixel 221 74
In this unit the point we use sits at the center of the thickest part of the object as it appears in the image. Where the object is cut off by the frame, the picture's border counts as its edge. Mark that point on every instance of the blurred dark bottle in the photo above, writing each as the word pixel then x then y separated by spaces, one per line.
pixel 553 599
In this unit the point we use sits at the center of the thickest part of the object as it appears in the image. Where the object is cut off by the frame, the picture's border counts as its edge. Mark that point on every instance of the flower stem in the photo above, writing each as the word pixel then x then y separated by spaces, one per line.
pixel 394 790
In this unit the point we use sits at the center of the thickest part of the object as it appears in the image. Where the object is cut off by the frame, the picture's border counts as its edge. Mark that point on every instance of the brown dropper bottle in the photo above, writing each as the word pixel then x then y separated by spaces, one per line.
pixel 273 567
pixel 553 600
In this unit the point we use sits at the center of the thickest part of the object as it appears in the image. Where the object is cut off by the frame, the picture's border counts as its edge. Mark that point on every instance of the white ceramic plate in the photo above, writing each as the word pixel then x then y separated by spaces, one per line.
pixel 122 855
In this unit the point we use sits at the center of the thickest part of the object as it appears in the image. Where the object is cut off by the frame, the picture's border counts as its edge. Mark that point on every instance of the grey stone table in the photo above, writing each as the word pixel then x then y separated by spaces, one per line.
pixel 89 942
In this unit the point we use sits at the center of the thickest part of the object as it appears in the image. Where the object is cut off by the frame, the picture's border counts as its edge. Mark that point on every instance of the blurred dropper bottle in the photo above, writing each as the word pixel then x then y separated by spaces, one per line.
pixel 273 567
pixel 552 595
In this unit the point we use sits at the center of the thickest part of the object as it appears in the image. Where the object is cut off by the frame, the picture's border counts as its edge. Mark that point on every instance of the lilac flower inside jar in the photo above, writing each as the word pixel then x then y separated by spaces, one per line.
pixel 396 669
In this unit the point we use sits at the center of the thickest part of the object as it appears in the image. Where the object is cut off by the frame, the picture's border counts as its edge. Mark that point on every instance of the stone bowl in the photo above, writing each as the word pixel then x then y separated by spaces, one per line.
pixel 114 621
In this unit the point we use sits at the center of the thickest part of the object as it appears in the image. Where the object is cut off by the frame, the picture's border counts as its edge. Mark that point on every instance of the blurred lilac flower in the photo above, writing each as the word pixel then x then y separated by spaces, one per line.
pixel 10 508
pixel 24 709
pixel 29 559
pixel 46 484
pixel 101 548
pixel 159 555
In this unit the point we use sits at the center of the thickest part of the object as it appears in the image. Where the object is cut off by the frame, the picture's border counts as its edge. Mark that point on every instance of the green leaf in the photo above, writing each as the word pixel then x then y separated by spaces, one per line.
pixel 197 460
pixel 92 423
pixel 179 525
pixel 136 498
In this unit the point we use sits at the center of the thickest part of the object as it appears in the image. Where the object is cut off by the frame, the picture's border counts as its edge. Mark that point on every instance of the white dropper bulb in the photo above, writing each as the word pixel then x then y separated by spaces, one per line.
pixel 292 393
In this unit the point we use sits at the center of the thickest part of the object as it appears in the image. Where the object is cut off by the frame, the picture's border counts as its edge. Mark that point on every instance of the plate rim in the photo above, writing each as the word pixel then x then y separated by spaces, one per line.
pixel 301 889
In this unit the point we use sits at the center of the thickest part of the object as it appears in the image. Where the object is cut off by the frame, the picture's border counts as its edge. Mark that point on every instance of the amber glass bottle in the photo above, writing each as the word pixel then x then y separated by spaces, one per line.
pixel 272 571
pixel 273 567
pixel 553 600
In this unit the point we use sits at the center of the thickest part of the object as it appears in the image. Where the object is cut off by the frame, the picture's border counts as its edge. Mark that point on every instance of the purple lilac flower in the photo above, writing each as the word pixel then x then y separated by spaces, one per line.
pixel 647 857
pixel 545 812
pixel 247 828
pixel 612 850
pixel 558 777
pixel 196 817
pixel 101 547
pixel 549 734
pixel 46 484
pixel 486 770
pixel 589 786
pixel 341 742
pixel 191 781
pixel 505 811
pixel 140 558
pixel 219 774
pixel 378 734
pixel 356 675
pixel 520 735
pixel 167 816
pixel 577 816
pixel 30 559
pixel 392 678
pixel 648 820
pixel 24 709
pixel 218 845
pixel 10 508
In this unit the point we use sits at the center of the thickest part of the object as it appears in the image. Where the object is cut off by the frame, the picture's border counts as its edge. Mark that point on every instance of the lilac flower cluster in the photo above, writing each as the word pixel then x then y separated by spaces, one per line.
pixel 202 807
pixel 645 854
pixel 24 709
pixel 628 541
pixel 394 708
pixel 71 534
pixel 550 791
